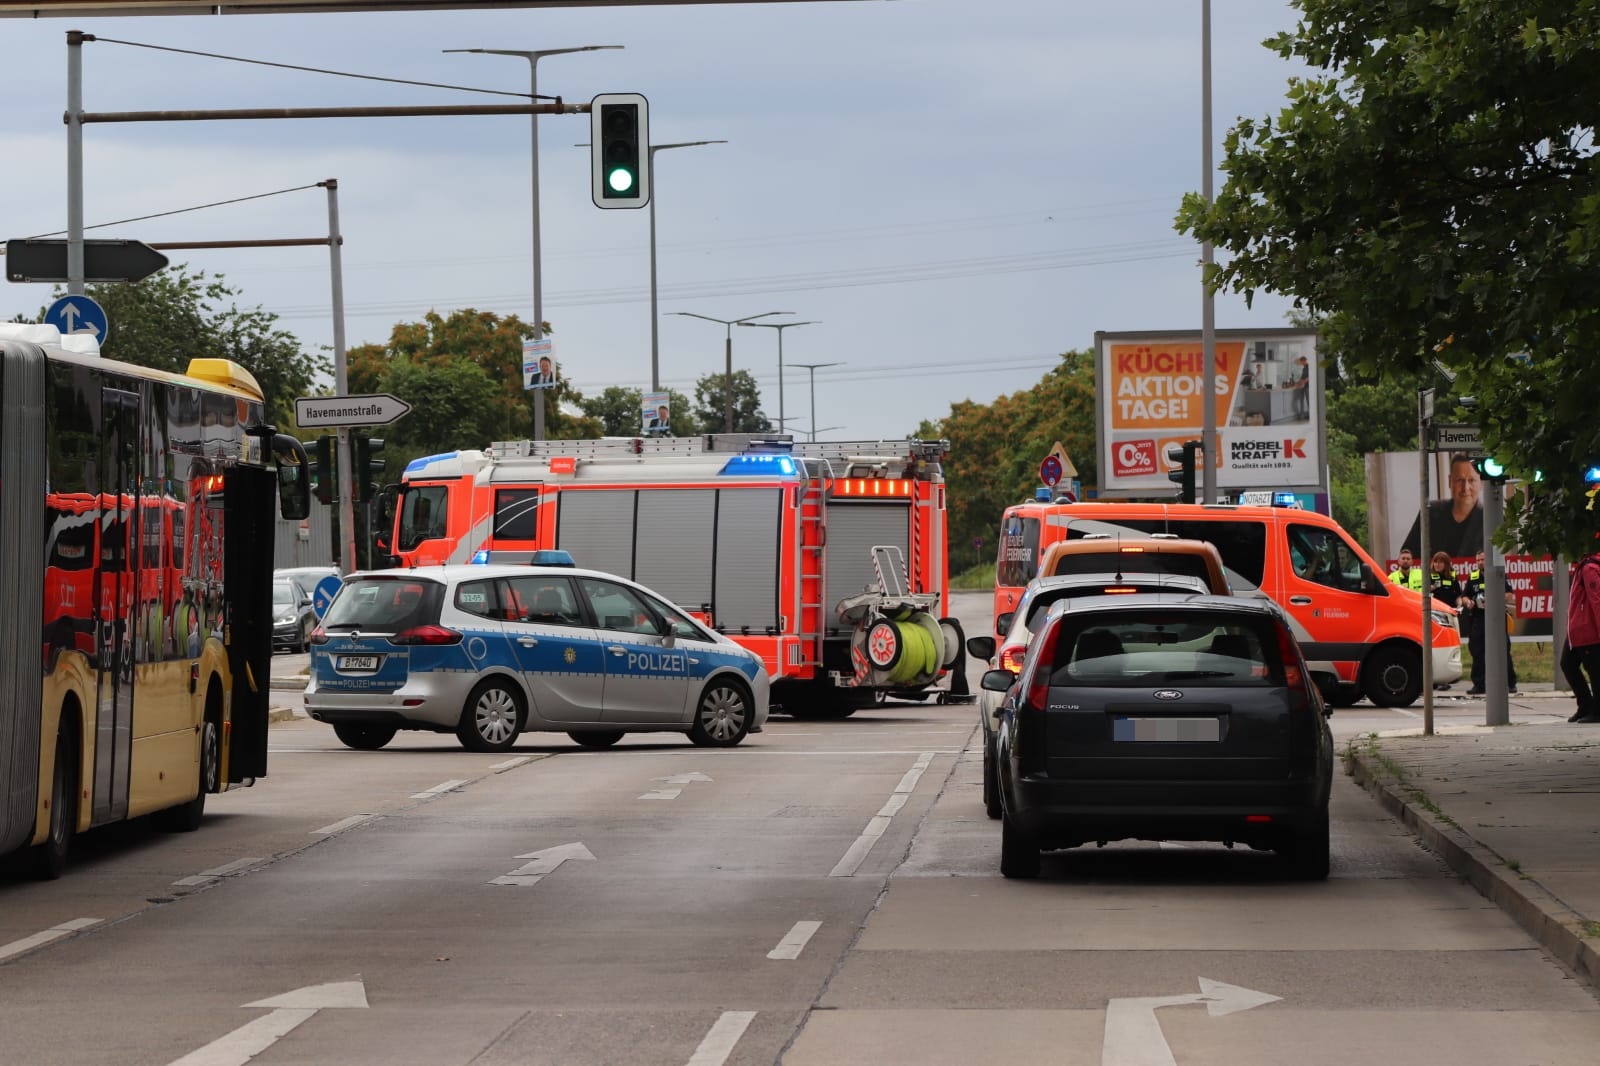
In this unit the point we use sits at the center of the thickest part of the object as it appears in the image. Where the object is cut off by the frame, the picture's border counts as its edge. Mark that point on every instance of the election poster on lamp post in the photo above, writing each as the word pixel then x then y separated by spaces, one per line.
pixel 1266 389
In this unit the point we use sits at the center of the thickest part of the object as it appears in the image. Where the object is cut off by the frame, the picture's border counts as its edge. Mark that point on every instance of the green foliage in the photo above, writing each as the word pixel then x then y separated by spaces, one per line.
pixel 619 410
pixel 710 411
pixel 1434 189
pixel 174 316
pixel 995 450
pixel 462 376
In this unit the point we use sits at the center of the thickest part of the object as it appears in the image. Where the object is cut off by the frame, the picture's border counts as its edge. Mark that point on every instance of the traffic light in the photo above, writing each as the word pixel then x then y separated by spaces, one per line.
pixel 1490 468
pixel 369 471
pixel 325 469
pixel 619 149
pixel 1184 456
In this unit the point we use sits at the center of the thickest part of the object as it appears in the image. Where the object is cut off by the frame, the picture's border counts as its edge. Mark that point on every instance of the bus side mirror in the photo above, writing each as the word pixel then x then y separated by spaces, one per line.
pixel 294 477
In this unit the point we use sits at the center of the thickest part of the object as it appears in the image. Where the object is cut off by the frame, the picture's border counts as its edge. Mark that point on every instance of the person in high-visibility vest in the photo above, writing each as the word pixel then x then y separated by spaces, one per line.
pixel 1407 574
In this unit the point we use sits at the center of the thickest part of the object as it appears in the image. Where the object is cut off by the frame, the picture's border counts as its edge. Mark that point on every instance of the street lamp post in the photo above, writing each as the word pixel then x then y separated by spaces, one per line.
pixel 655 318
pixel 780 327
pixel 813 368
pixel 533 58
pixel 727 379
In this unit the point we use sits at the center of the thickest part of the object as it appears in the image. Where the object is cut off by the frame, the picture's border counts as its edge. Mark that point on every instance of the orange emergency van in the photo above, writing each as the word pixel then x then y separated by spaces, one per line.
pixel 1369 629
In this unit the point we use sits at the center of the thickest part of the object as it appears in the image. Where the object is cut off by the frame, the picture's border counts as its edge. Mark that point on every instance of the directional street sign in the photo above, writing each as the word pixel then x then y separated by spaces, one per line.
pixel 38 259
pixel 1457 437
pixel 78 314
pixel 377 409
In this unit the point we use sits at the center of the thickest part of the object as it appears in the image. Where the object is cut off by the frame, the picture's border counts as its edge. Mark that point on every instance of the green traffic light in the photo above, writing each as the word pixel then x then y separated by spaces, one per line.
pixel 1489 466
pixel 620 179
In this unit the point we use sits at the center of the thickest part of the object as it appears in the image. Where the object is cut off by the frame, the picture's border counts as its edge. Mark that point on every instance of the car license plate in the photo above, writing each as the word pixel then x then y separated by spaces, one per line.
pixel 358 662
pixel 1167 730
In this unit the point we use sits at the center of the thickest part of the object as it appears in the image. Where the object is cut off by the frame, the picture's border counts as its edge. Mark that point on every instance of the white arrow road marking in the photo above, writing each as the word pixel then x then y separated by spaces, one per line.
pixel 55 932
pixel 288 1011
pixel 718 1044
pixel 436 790
pixel 794 943
pixel 1134 1036
pixel 662 794
pixel 544 862
pixel 683 779
pixel 499 767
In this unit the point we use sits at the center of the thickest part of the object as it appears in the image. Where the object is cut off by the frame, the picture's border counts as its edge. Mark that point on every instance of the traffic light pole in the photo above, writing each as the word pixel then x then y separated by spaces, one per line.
pixel 1496 705
pixel 1424 424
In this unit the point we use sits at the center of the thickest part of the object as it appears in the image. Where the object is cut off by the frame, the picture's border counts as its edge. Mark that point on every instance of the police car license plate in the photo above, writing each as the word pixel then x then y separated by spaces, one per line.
pixel 358 662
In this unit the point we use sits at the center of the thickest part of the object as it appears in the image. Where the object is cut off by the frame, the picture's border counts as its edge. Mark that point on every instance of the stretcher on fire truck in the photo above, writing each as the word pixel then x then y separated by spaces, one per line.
pixel 828 560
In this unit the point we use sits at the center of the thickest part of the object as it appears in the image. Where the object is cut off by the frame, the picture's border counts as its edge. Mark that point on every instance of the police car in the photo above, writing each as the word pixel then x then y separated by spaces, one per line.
pixel 490 651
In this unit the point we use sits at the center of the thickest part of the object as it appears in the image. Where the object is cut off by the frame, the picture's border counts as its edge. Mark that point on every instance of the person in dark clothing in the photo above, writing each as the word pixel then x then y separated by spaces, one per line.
pixel 1580 658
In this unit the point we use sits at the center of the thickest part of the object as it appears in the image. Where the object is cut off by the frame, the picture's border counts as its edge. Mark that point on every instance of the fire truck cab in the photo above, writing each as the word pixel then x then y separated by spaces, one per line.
pixel 828 560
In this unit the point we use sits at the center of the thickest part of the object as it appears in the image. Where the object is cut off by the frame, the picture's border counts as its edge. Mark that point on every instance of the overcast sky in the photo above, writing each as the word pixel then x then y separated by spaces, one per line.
pixel 955 192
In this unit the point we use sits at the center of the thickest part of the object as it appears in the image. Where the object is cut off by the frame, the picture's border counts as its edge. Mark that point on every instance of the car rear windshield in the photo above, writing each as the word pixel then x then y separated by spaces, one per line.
pixel 1167 647
pixel 386 604
pixel 1155 562
pixel 1039 606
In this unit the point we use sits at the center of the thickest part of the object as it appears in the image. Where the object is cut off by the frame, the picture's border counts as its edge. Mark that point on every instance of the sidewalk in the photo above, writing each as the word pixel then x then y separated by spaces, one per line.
pixel 1514 809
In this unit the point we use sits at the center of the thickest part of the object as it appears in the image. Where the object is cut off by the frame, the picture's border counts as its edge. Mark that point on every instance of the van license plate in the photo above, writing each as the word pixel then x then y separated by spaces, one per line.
pixel 358 662
pixel 1167 730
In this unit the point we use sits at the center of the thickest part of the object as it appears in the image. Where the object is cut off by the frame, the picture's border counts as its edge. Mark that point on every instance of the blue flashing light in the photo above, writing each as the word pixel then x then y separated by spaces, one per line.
pixel 1041 494
pixel 1592 475
pixel 1285 499
pixel 417 465
pixel 480 557
pixel 759 465
pixel 551 557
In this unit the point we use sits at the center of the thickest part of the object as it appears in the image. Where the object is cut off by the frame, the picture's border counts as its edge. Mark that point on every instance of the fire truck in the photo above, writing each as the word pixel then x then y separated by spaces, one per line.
pixel 829 560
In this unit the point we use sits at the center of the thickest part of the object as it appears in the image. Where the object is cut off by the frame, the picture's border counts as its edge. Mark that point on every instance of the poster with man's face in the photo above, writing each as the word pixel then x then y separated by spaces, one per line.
pixel 655 413
pixel 539 369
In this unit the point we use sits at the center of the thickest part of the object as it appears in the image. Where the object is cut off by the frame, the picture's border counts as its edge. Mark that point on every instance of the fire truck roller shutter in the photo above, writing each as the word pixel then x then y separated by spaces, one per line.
pixel 749 524
pixel 596 526
pixel 673 550
pixel 853 529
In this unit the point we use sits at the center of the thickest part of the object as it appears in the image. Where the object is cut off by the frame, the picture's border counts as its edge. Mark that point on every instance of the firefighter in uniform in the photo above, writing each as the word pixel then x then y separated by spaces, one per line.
pixel 1407 574
pixel 1471 604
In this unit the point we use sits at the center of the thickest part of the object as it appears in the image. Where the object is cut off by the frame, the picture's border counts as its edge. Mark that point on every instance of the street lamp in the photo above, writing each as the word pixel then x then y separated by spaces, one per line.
pixel 813 368
pixel 655 318
pixel 533 58
pixel 727 378
pixel 780 327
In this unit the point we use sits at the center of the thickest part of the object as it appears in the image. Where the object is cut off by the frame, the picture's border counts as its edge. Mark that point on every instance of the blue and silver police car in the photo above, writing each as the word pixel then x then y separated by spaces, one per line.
pixel 491 651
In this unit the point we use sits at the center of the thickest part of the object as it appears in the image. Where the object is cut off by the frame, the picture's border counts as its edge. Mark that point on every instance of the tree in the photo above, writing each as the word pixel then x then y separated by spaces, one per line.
pixel 174 316
pixel 710 400
pixel 619 411
pixel 995 450
pixel 1435 188
pixel 493 345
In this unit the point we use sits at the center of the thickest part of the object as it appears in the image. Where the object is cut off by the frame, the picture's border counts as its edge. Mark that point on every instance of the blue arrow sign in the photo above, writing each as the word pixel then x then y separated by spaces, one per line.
pixel 78 314
pixel 326 590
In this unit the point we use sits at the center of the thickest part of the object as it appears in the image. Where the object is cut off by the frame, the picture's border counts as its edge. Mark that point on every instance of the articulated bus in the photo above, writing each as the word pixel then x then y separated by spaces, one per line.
pixel 136 532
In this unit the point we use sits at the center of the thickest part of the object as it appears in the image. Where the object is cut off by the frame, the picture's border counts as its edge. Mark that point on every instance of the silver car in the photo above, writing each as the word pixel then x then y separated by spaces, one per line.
pixel 490 651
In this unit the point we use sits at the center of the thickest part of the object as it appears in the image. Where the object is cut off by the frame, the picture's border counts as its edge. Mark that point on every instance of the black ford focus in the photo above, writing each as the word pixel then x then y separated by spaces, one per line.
pixel 1163 718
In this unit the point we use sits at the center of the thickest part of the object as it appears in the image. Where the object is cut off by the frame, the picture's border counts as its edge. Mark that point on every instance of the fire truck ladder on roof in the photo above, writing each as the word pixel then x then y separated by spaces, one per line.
pixel 813 568
pixel 864 451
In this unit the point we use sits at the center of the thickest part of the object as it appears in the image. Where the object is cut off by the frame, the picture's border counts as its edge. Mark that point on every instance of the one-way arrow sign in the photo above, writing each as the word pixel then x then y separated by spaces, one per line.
pixel 41 259
pixel 377 409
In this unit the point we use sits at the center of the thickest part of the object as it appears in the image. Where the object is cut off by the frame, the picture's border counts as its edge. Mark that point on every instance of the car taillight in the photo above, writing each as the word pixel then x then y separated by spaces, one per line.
pixel 1011 658
pixel 319 636
pixel 426 635
pixel 1289 652
pixel 1043 666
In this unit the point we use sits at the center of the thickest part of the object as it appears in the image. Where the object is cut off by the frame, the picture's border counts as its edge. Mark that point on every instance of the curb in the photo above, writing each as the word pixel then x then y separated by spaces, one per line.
pixel 1554 925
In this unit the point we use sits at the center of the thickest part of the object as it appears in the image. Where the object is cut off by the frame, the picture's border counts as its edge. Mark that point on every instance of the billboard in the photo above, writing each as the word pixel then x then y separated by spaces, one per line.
pixel 1266 390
